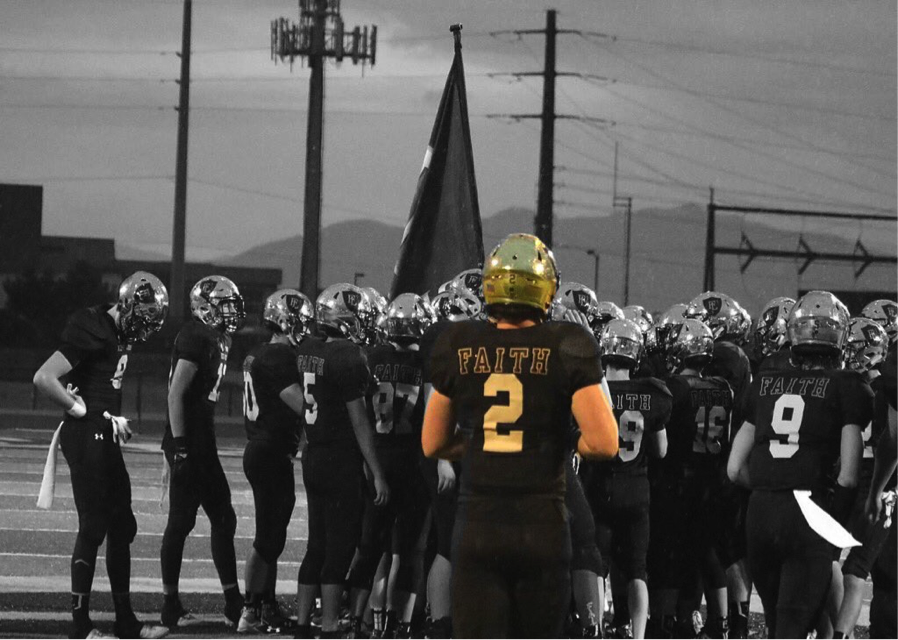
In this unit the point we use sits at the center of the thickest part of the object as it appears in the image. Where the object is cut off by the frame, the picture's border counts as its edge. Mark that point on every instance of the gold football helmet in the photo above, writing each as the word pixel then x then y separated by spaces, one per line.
pixel 521 270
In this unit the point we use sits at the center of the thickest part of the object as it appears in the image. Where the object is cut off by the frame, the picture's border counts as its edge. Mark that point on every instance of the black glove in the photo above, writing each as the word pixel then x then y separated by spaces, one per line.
pixel 179 463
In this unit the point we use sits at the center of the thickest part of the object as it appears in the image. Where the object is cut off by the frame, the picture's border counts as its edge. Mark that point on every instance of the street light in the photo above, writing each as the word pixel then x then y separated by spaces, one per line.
pixel 595 279
pixel 356 276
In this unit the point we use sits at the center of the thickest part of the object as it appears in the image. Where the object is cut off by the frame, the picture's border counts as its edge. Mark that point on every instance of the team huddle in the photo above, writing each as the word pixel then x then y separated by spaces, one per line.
pixel 487 460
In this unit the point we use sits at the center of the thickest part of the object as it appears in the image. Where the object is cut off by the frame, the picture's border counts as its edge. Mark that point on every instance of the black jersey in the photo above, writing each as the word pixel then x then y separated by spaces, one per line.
pixel 428 340
pixel 641 406
pixel 798 418
pixel 267 370
pixel 91 345
pixel 777 361
pixel 511 390
pixel 332 374
pixel 398 398
pixel 729 362
pixel 699 429
pixel 207 348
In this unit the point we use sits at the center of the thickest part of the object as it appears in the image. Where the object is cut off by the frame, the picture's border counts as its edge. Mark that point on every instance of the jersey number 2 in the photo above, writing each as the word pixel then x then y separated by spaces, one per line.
pixel 513 441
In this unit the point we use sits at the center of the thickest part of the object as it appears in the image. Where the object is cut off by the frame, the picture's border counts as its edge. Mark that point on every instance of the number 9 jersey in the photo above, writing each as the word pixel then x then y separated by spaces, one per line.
pixel 798 418
pixel 512 392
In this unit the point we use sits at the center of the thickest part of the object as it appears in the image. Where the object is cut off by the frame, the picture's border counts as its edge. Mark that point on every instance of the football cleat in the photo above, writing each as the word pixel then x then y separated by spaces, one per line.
pixel 722 314
pixel 407 318
pixel 142 306
pixel 291 312
pixel 866 346
pixel 885 312
pixel 174 613
pixel 274 619
pixel 520 270
pixel 215 301
pixel 818 325
pixel 343 311
pixel 770 327
pixel 621 343
pixel 691 344
pixel 577 297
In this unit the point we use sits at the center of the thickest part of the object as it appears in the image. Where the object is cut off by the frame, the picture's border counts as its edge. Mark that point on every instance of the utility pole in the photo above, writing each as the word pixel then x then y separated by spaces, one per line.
pixel 542 224
pixel 177 293
pixel 545 194
pixel 318 35
pixel 626 202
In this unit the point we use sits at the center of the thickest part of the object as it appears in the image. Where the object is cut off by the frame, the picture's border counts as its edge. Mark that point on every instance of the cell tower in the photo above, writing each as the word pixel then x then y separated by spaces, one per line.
pixel 319 34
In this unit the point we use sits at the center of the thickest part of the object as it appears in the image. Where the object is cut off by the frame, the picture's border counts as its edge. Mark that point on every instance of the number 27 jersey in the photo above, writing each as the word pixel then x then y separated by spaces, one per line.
pixel 511 390
pixel 798 418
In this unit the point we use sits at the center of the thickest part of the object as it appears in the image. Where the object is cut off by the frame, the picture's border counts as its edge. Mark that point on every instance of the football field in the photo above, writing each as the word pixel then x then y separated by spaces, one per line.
pixel 36 544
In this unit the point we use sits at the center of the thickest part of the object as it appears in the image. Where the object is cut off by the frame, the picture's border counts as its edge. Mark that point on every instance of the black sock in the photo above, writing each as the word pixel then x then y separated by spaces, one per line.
pixel 124 614
pixel 81 613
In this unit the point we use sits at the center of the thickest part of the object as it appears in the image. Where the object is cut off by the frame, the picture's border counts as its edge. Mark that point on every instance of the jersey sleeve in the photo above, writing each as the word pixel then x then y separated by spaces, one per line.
pixel 354 376
pixel 750 404
pixel 190 346
pixel 442 365
pixel 79 337
pixel 581 357
pixel 857 401
pixel 280 368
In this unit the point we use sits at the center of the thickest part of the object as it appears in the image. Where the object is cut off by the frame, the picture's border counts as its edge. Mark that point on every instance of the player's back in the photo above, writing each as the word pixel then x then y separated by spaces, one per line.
pixel 90 343
pixel 332 373
pixel 398 400
pixel 267 370
pixel 642 406
pixel 699 425
pixel 511 390
pixel 798 417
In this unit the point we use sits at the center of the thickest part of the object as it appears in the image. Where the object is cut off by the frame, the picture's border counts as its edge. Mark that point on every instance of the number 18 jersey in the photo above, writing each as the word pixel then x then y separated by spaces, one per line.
pixel 798 418
pixel 511 390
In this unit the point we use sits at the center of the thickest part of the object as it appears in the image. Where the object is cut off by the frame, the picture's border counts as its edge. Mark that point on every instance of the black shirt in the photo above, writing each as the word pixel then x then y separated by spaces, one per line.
pixel 267 370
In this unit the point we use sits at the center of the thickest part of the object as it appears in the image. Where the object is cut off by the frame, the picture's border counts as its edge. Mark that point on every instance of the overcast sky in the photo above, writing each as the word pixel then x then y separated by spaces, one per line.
pixel 788 104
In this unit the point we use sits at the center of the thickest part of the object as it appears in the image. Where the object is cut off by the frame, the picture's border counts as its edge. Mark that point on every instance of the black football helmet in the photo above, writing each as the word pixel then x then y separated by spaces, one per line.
pixel 215 301
pixel 884 312
pixel 291 312
pixel 407 318
pixel 691 344
pixel 770 327
pixel 142 306
pixel 818 325
pixel 866 346
pixel 622 343
pixel 342 311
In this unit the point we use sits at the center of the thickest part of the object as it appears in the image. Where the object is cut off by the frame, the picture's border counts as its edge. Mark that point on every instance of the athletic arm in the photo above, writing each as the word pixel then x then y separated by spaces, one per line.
pixel 737 464
pixel 439 438
pixel 182 376
pixel 598 426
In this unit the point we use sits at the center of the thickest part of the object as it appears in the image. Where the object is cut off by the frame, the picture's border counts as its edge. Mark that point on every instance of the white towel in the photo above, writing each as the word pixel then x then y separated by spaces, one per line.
pixel 48 482
pixel 824 524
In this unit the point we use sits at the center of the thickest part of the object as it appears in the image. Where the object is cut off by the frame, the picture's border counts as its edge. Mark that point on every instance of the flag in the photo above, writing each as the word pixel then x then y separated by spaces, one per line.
pixel 443 234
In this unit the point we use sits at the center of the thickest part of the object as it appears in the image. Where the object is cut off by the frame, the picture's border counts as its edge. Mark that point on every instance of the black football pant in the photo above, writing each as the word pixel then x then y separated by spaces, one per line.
pixel 790 564
pixel 102 491
pixel 201 484
pixel 510 579
pixel 269 469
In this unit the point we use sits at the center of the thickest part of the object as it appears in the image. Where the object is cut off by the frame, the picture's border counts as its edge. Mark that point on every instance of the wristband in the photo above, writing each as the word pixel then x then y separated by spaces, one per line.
pixel 77 410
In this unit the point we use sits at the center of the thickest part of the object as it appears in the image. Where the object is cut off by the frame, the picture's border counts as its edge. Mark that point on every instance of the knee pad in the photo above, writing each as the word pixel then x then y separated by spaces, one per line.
pixel 92 527
pixel 180 524
pixel 588 558
pixel 270 545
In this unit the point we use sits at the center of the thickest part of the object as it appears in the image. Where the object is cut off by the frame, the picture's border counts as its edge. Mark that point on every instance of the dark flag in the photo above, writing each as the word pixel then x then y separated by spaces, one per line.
pixel 443 235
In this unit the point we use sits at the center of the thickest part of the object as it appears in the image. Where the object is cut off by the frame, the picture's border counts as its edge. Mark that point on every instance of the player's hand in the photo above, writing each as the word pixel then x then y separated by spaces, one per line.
pixel 873 508
pixel 445 476
pixel 121 432
pixel 577 317
pixel 78 408
pixel 381 490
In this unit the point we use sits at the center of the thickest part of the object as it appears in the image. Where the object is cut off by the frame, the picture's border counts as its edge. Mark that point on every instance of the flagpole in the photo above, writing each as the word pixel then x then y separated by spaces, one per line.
pixel 456 31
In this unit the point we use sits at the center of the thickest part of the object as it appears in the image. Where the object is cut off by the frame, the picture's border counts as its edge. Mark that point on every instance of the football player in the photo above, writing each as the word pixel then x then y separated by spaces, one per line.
pixel 865 351
pixel 198 365
pixel 770 337
pixel 398 404
pixel 797 423
pixel 511 384
pixel 272 405
pixel 654 364
pixel 884 312
pixel 691 490
pixel 618 490
pixel 335 378
pixel 93 354
pixel 453 304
